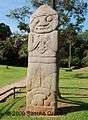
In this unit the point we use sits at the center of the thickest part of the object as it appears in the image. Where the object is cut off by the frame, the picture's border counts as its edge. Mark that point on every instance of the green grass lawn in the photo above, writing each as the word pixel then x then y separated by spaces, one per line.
pixel 73 82
pixel 8 76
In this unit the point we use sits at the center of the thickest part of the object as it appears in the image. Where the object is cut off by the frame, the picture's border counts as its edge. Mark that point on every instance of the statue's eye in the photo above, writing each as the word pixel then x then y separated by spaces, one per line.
pixel 49 18
pixel 37 20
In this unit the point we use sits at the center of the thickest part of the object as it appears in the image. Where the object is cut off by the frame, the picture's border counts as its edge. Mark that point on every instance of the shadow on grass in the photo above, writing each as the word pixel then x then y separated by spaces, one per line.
pixel 74 88
pixel 67 107
pixel 71 106
pixel 75 75
pixel 5 110
pixel 82 95
pixel 81 76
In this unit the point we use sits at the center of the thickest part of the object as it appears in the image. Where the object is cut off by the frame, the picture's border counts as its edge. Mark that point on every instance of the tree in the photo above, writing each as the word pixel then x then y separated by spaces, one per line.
pixel 70 12
pixel 83 49
pixel 71 34
pixel 21 15
pixel 37 3
pixel 67 9
pixel 79 48
pixel 5 31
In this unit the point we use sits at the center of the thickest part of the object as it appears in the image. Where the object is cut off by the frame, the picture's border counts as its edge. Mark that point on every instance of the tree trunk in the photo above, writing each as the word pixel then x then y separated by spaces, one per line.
pixel 69 58
pixel 7 67
pixel 51 3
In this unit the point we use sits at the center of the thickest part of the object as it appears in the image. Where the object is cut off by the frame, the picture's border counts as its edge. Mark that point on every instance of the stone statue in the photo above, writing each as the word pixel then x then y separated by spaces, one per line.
pixel 42 62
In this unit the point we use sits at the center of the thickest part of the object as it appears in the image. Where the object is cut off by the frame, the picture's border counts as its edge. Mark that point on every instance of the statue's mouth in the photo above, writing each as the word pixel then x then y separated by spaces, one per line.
pixel 42 27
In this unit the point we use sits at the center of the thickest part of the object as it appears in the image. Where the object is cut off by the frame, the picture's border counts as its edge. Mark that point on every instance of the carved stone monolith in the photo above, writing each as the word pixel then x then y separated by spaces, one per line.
pixel 42 62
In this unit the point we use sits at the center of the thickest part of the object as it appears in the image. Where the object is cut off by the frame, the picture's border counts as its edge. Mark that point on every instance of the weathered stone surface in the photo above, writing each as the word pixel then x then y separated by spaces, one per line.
pixel 42 62
pixel 45 24
pixel 43 44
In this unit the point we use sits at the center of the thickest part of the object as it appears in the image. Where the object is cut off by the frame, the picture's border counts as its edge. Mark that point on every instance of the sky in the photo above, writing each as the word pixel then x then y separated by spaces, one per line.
pixel 6 5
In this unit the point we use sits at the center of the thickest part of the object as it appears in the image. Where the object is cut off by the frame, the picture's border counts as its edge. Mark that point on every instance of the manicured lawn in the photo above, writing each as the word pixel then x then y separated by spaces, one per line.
pixel 73 85
pixel 8 76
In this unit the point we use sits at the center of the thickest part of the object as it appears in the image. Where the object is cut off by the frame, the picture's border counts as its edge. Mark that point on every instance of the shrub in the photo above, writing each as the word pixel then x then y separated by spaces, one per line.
pixel 85 61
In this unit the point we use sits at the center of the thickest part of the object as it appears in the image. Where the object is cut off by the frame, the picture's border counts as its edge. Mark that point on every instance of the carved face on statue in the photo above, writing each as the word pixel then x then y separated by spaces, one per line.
pixel 44 22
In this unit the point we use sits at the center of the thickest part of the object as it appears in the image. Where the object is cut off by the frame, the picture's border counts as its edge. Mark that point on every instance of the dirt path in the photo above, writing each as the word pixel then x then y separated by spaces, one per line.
pixel 20 83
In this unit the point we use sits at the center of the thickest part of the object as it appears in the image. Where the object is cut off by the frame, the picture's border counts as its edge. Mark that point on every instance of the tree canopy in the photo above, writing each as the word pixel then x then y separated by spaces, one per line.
pixel 4 31
pixel 71 12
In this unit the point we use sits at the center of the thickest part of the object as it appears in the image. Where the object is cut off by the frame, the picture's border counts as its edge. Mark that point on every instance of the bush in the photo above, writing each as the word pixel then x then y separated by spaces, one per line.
pixel 76 62
pixel 85 61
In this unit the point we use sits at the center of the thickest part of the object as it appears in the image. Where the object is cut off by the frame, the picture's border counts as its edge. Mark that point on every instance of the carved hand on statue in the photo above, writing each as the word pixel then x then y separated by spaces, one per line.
pixel 33 44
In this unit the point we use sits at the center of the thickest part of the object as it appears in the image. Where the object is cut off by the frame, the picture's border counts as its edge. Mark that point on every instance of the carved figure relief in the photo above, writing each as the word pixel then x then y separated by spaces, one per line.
pixel 44 20
pixel 44 24
pixel 40 44
pixel 42 48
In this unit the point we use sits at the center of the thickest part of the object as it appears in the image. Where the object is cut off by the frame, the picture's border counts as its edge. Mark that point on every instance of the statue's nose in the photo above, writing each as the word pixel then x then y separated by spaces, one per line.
pixel 43 22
